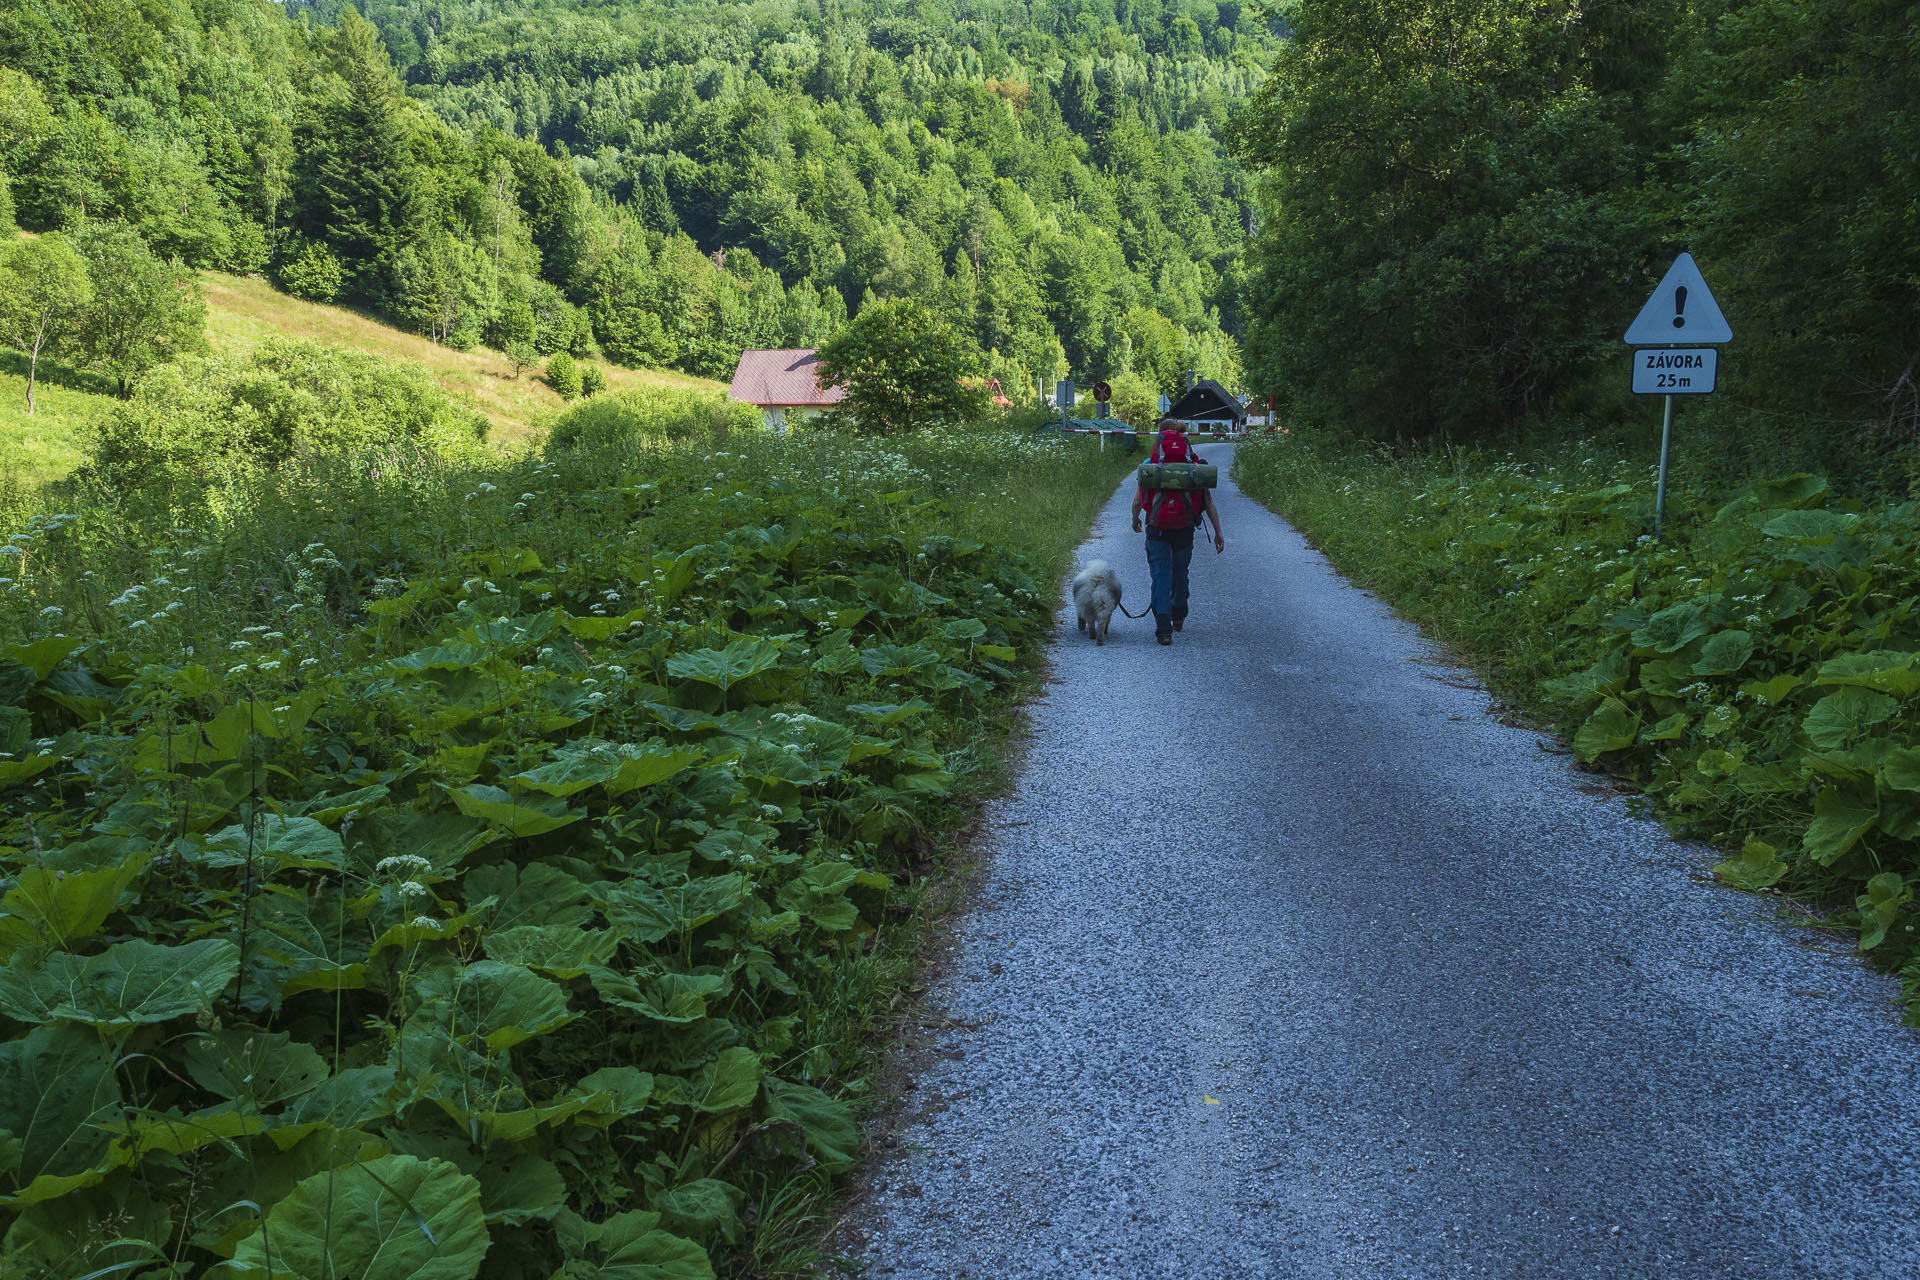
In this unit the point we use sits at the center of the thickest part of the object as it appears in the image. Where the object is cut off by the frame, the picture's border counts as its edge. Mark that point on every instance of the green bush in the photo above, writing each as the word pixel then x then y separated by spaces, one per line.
pixel 203 418
pixel 563 375
pixel 6 205
pixel 312 271
pixel 1755 671
pixel 592 380
pixel 247 248
pixel 623 419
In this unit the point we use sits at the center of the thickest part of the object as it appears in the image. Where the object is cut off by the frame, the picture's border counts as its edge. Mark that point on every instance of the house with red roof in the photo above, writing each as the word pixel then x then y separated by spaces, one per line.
pixel 783 385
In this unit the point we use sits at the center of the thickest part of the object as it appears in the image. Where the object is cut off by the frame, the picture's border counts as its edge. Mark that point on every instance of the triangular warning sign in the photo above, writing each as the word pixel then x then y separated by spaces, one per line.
pixel 1681 310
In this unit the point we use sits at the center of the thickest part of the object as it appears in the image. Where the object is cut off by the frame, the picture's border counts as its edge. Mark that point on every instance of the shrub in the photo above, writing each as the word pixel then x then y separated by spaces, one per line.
pixel 626 418
pixel 201 418
pixel 563 376
pixel 902 366
pixel 313 272
pixel 592 381
pixel 6 205
pixel 521 356
pixel 247 250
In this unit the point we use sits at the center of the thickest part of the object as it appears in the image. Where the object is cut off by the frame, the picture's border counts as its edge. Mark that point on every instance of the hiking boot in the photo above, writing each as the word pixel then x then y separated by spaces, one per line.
pixel 1164 639
pixel 1179 624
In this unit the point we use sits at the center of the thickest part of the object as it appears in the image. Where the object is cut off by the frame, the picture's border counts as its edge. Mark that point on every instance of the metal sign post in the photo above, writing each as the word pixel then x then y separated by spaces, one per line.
pixel 1681 307
pixel 1660 493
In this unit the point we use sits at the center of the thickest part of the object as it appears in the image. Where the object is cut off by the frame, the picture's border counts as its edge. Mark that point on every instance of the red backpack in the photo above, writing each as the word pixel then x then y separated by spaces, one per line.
pixel 1167 509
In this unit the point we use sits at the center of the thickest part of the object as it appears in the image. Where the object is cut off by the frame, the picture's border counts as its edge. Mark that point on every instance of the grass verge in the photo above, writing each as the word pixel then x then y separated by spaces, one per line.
pixel 1754 671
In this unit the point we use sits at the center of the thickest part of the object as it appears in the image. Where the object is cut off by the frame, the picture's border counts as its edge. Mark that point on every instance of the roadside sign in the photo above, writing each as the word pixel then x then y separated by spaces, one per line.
pixel 1165 404
pixel 1681 309
pixel 1669 372
pixel 1102 392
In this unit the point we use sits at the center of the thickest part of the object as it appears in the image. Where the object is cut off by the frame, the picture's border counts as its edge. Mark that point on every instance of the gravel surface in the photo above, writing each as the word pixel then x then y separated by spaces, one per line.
pixel 1294 962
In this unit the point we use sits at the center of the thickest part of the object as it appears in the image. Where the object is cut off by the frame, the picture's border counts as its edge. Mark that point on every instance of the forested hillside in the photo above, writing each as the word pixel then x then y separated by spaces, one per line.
pixel 1465 204
pixel 669 183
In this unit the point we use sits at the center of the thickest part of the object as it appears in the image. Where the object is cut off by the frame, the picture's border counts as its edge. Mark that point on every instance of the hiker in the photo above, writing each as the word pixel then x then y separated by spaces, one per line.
pixel 1171 518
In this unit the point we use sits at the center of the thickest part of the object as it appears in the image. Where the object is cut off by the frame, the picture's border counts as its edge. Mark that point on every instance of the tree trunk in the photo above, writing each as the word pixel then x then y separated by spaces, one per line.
pixel 33 372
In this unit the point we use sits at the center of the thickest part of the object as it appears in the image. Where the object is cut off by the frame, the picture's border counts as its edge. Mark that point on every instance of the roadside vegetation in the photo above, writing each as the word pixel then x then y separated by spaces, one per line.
pixel 421 865
pixel 1753 671
pixel 1465 206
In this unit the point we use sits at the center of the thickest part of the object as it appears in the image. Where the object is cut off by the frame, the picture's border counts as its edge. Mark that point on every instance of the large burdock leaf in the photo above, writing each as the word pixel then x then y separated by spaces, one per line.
pixel 1841 815
pixel 506 896
pixel 1843 714
pixel 571 772
pixel 306 943
pixel 897 660
pixel 395 1218
pixel 1677 626
pixel 1880 906
pixel 832 1136
pixel 514 815
pixel 111 1230
pixel 287 842
pixel 1610 728
pixel 56 909
pixel 1724 654
pixel 559 951
pixel 1758 866
pixel 508 1004
pixel 702 1209
pixel 1901 769
pixel 258 1067
pixel 617 769
pixel 648 768
pixel 727 1083
pixel 662 997
pixel 516 1188
pixel 1884 670
pixel 1815 525
pixel 127 984
pixel 59 1101
pixel 724 668
pixel 354 1097
pixel 627 1246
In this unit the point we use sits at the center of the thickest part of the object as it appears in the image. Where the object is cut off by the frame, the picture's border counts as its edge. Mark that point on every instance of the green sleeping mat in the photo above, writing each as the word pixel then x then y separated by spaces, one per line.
pixel 1179 475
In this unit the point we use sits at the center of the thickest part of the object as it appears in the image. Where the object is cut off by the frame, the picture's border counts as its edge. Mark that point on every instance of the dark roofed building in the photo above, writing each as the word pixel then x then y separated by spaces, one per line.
pixel 1206 401
pixel 782 384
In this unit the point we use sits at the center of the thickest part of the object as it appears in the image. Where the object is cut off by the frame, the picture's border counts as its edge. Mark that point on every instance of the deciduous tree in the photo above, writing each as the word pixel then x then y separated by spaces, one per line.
pixel 143 310
pixel 901 366
pixel 44 288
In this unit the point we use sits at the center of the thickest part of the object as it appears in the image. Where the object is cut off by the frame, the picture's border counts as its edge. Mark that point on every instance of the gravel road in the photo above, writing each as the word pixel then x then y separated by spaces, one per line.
pixel 1293 961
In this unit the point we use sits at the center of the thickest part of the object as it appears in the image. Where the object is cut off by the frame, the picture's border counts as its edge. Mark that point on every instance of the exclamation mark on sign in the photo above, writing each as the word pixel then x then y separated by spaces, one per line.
pixel 1680 307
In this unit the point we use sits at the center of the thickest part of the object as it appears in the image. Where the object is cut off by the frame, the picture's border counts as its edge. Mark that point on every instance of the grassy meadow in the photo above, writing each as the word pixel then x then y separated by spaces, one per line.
pixel 242 311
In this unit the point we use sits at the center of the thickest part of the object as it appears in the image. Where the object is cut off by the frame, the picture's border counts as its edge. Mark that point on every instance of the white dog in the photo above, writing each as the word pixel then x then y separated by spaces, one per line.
pixel 1096 594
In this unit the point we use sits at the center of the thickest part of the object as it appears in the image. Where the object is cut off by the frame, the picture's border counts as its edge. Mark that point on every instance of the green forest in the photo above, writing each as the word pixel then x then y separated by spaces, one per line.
pixel 1463 205
pixel 667 184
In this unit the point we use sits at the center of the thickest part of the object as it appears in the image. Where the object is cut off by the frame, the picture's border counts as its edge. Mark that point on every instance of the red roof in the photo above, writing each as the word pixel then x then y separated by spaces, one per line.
pixel 782 378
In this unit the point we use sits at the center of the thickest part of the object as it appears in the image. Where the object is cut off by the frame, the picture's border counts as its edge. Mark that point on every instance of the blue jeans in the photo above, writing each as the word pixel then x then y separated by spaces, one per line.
pixel 1167 560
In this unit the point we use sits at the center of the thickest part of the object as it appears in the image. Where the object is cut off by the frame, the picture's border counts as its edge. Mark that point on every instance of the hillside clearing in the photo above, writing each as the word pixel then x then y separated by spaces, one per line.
pixel 242 312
